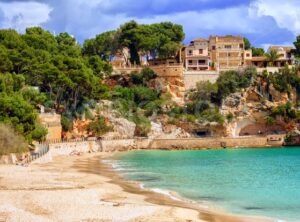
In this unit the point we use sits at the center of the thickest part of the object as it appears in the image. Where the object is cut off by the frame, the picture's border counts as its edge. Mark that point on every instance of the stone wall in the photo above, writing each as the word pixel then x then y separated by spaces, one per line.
pixel 192 77
pixel 66 148
pixel 168 70
pixel 203 143
pixel 52 122
pixel 117 145
pixel 8 159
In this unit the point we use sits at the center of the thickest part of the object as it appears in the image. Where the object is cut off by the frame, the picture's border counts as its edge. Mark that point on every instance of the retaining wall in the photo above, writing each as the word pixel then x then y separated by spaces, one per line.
pixel 192 77
pixel 66 148
pixel 203 143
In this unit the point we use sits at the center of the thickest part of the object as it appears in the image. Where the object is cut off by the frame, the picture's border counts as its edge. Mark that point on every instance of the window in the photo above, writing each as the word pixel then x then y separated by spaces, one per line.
pixel 201 62
pixel 241 46
pixel 213 47
pixel 227 46
pixel 200 51
pixel 190 52
pixel 248 55
pixel 229 54
pixel 190 62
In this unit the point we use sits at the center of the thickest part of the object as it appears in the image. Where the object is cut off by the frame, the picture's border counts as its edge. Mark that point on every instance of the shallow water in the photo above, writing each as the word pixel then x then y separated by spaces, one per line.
pixel 264 182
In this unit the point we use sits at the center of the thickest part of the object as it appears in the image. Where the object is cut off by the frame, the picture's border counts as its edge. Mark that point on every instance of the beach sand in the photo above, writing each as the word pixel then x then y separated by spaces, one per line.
pixel 81 188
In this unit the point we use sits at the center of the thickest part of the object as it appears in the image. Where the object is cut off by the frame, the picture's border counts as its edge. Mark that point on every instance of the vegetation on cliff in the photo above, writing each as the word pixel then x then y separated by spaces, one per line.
pixel 40 68
pixel 160 40
pixel 11 141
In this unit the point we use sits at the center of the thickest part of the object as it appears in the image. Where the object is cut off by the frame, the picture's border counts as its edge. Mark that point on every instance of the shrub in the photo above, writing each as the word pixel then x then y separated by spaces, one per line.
pixel 143 77
pixel 143 125
pixel 10 141
pixel 66 123
pixel 99 127
pixel 39 133
pixel 269 120
pixel 229 117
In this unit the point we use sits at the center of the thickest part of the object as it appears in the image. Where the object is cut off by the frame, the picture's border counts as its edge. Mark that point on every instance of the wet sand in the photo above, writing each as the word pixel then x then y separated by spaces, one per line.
pixel 82 188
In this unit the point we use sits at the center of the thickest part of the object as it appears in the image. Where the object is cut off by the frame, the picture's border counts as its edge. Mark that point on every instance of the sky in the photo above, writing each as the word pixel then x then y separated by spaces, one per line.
pixel 264 22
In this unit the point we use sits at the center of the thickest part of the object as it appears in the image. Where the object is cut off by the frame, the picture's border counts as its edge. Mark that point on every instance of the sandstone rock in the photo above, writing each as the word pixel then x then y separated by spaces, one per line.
pixel 233 100
pixel 122 128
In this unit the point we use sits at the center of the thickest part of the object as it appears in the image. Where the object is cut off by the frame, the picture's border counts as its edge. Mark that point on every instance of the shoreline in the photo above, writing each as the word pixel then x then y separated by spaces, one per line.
pixel 91 191
pixel 170 198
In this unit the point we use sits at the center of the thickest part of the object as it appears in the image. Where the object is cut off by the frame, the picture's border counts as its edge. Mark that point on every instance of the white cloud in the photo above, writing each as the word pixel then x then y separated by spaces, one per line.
pixel 228 21
pixel 285 13
pixel 263 21
pixel 19 15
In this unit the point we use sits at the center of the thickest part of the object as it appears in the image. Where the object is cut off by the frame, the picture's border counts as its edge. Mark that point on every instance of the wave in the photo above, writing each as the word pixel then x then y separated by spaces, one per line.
pixel 167 193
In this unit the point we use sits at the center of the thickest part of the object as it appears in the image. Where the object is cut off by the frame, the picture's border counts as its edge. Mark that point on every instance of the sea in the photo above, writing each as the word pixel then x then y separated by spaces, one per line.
pixel 258 182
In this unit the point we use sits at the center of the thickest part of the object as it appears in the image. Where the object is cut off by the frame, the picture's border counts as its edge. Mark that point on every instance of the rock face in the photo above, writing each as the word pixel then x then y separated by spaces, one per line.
pixel 172 85
pixel 159 131
pixel 233 100
pixel 293 138
pixel 250 109
pixel 122 127
pixel 170 74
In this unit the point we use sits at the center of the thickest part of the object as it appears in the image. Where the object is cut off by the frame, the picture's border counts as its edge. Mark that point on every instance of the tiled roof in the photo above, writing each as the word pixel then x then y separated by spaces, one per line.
pixel 277 47
pixel 200 40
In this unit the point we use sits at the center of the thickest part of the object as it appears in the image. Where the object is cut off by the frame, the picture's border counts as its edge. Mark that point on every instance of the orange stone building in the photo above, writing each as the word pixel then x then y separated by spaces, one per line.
pixel 217 53
pixel 284 57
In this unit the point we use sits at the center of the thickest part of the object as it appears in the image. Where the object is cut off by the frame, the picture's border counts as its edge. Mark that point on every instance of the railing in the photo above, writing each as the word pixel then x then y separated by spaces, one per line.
pixel 230 49
pixel 42 150
pixel 93 139
pixel 69 140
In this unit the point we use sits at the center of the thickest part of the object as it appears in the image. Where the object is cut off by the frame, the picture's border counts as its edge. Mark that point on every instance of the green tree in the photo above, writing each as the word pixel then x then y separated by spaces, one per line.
pixel 296 51
pixel 247 44
pixel 204 91
pixel 67 45
pixel 272 56
pixel 16 111
pixel 258 51
pixel 105 45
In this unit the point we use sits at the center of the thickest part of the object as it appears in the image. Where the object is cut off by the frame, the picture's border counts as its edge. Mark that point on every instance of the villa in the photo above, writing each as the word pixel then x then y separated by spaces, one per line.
pixel 204 59
pixel 218 53
pixel 284 53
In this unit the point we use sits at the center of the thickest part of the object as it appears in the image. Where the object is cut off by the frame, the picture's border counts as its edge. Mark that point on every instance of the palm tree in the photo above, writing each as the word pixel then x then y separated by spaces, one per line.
pixel 272 56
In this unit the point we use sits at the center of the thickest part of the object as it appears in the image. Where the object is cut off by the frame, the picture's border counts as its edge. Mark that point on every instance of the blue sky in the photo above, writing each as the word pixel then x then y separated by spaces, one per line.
pixel 264 22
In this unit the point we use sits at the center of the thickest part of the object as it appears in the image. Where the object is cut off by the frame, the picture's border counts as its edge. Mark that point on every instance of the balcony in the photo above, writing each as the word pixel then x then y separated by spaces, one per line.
pixel 197 65
pixel 230 58
pixel 230 49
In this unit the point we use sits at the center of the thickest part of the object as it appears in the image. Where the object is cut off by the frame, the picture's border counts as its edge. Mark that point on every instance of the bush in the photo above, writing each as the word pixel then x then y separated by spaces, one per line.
pixel 99 127
pixel 269 120
pixel 143 125
pixel 39 133
pixel 229 117
pixel 288 138
pixel 144 77
pixel 66 123
pixel 10 141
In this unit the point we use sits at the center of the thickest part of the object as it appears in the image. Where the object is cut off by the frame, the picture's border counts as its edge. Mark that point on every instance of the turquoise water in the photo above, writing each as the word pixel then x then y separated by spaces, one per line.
pixel 264 182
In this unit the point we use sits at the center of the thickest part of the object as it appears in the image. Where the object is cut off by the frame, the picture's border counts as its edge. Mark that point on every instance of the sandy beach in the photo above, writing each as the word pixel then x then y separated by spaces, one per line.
pixel 81 188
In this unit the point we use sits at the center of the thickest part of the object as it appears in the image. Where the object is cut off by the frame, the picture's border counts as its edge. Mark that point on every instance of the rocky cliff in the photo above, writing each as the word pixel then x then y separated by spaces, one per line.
pixel 250 110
